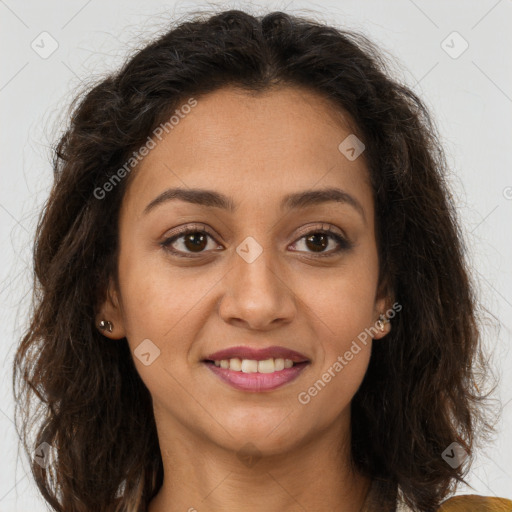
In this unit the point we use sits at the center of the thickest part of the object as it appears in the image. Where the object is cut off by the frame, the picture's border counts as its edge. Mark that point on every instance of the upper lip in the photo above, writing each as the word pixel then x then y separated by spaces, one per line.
pixel 258 354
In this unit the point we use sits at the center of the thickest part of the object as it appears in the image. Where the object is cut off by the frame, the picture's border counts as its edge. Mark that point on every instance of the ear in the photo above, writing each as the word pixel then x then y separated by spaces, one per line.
pixel 110 309
pixel 384 301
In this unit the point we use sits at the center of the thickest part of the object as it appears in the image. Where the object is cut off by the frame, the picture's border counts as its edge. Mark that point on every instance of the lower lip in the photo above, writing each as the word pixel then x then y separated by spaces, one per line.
pixel 257 381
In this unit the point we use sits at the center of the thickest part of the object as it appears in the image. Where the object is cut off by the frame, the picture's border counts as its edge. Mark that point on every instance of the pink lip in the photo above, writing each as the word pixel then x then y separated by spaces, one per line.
pixel 257 381
pixel 257 354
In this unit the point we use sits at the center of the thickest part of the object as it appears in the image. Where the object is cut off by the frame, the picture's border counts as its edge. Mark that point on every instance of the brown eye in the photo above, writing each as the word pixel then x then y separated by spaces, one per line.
pixel 317 241
pixel 195 241
pixel 188 241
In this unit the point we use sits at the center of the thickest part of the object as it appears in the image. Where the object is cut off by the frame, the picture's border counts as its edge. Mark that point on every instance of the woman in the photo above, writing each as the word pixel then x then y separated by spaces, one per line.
pixel 251 287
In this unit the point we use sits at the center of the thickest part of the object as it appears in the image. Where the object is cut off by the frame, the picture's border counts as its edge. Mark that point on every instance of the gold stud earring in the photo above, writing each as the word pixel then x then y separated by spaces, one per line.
pixel 105 325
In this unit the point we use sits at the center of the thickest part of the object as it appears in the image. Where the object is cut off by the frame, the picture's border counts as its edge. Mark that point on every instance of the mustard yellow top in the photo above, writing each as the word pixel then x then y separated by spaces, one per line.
pixel 472 502
pixel 377 502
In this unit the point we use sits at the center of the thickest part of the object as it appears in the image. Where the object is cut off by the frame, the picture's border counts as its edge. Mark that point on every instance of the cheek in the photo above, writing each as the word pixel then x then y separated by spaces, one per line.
pixel 350 314
pixel 343 353
pixel 345 337
pixel 345 304
pixel 345 299
pixel 162 304
pixel 157 309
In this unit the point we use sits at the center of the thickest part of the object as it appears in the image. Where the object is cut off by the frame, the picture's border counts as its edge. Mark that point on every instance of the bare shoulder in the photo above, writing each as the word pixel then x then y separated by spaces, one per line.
pixel 473 502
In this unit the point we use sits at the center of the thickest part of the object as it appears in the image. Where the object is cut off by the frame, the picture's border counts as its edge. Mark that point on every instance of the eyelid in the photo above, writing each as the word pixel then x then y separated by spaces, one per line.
pixel 198 226
pixel 306 230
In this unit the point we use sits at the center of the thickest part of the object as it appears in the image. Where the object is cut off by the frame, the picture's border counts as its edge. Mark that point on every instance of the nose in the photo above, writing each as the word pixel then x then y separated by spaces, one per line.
pixel 257 295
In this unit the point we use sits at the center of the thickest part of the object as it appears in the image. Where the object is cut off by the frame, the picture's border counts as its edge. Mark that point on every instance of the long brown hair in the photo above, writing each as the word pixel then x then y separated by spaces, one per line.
pixel 80 394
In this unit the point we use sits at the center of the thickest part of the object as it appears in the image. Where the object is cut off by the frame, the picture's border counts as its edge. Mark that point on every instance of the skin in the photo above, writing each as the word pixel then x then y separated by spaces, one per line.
pixel 254 149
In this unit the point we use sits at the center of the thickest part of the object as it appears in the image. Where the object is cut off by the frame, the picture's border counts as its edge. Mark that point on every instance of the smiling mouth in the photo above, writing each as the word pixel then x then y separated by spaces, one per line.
pixel 256 376
pixel 271 365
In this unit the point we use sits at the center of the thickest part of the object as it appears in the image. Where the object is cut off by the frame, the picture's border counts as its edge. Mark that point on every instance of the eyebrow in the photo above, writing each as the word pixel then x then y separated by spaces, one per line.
pixel 294 201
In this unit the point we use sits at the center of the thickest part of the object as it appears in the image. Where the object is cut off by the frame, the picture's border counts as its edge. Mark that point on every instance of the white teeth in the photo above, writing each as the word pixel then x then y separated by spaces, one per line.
pixel 249 366
pixel 235 364
pixel 252 366
pixel 279 364
pixel 266 366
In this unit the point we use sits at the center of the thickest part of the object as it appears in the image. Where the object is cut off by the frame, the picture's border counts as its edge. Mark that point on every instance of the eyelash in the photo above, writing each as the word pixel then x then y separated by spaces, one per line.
pixel 344 244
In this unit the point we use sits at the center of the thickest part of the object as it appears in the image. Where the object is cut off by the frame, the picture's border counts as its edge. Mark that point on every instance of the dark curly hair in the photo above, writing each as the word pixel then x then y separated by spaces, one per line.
pixel 84 395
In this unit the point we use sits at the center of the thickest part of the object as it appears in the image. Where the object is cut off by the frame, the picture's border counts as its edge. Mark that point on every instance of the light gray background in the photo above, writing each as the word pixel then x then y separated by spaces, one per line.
pixel 470 96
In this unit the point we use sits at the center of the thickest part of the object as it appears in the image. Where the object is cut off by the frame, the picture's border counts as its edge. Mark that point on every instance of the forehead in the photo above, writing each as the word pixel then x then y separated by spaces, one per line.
pixel 253 146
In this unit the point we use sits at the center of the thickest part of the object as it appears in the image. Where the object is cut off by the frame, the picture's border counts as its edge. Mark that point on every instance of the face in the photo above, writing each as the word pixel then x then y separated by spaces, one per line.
pixel 301 275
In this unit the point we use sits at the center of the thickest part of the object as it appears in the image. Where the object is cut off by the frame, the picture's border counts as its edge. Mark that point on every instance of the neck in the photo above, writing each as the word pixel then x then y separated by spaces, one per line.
pixel 202 476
